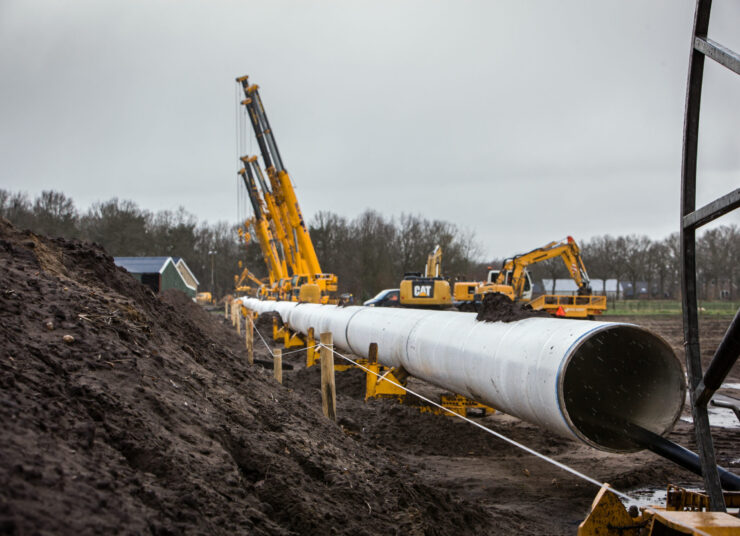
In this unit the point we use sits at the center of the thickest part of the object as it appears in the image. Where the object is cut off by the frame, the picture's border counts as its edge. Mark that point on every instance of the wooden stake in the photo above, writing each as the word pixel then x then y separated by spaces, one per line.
pixel 238 320
pixel 371 380
pixel 250 338
pixel 328 388
pixel 277 365
pixel 372 353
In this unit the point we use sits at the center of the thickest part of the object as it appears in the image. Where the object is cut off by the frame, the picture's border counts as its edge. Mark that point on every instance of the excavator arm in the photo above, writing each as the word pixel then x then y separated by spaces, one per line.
pixel 434 263
pixel 246 275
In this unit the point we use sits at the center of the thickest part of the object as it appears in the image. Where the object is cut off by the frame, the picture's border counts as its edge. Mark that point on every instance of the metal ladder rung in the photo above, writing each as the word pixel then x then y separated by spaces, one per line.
pixel 722 55
pixel 713 210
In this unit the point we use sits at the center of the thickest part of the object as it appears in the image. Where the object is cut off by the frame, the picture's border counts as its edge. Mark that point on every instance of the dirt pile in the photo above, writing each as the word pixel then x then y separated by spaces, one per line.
pixel 129 414
pixel 496 307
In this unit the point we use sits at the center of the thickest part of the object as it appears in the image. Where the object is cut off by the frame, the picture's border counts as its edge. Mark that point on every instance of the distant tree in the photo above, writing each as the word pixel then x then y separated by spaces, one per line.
pixel 716 252
pixel 119 226
pixel 635 254
pixel 370 252
pixel 16 208
pixel 55 215
pixel 172 233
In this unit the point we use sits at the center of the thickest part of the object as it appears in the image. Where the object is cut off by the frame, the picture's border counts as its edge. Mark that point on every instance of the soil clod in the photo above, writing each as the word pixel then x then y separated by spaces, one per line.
pixel 497 307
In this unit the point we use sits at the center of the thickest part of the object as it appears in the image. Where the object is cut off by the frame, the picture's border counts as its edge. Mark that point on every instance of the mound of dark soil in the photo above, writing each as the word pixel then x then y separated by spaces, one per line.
pixel 124 413
pixel 496 307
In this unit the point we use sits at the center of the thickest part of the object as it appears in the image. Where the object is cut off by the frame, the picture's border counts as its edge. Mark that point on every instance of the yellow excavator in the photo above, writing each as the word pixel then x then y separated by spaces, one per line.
pixel 513 281
pixel 428 290
pixel 240 282
pixel 307 281
pixel 583 305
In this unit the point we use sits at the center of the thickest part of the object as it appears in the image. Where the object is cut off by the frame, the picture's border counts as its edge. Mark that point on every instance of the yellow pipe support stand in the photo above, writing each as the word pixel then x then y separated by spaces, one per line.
pixel 377 381
pixel 275 330
pixel 292 339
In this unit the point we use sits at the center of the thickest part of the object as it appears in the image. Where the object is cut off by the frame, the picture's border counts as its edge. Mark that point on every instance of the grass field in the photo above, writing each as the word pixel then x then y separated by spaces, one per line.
pixel 668 307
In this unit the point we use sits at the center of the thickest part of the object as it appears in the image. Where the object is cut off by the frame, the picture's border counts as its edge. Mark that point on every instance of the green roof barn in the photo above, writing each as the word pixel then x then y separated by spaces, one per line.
pixel 160 273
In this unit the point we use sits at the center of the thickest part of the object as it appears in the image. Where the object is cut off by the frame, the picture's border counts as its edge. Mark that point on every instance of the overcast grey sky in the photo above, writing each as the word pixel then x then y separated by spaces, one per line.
pixel 521 121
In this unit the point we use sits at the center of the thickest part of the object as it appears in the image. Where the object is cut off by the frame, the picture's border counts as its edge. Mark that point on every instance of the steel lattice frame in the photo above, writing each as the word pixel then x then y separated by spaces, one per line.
pixel 702 386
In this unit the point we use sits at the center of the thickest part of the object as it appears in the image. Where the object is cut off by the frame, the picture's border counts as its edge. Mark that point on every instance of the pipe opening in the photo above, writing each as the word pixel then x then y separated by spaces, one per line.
pixel 622 374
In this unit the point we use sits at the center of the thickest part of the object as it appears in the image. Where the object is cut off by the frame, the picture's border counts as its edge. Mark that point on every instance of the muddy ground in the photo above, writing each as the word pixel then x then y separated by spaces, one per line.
pixel 535 496
pixel 128 413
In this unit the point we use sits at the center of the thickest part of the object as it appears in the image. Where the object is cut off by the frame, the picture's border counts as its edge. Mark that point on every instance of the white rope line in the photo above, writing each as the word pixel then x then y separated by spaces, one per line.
pixel 489 430
pixel 254 326
pixel 261 337
pixel 301 349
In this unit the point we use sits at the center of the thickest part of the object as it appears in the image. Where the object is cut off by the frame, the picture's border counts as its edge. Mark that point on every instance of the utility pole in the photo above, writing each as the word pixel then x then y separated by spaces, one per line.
pixel 212 254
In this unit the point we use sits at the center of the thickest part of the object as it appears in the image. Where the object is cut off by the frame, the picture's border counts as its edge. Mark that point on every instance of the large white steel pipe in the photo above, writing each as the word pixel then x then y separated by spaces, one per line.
pixel 581 379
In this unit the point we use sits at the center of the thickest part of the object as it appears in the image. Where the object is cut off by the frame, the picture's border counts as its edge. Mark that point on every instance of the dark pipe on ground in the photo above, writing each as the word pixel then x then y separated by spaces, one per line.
pixel 679 455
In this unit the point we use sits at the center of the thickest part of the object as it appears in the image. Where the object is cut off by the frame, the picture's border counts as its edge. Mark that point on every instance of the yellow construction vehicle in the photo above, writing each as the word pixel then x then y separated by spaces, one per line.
pixel 428 290
pixel 277 217
pixel 240 282
pixel 276 266
pixel 203 298
pixel 685 513
pixel 513 273
pixel 309 283
pixel 467 293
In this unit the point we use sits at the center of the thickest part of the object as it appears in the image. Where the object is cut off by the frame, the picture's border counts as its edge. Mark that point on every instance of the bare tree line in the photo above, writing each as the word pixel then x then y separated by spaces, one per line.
pixel 370 252
pixel 124 229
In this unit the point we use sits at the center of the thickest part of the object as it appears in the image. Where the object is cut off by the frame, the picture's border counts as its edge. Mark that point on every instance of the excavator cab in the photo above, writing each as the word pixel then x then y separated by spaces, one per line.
pixel 422 291
pixel 428 290
pixel 493 275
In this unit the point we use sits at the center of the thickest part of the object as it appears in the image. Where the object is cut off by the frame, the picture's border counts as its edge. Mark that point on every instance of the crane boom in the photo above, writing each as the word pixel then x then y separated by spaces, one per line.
pixel 278 219
pixel 275 265
pixel 279 175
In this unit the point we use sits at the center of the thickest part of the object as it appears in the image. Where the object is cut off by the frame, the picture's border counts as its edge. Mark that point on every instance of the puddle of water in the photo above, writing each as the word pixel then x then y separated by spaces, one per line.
pixel 656 497
pixel 718 417
pixel 646 497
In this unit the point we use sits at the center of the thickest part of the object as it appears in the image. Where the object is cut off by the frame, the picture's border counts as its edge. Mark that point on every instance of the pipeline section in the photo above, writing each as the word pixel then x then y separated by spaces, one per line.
pixel 578 378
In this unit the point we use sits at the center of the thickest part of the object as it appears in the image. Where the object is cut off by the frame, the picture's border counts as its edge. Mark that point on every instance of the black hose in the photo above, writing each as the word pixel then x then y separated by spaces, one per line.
pixel 679 455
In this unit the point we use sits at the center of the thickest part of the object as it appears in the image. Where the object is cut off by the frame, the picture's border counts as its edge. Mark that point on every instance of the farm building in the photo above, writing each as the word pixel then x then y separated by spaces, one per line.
pixel 161 273
pixel 185 272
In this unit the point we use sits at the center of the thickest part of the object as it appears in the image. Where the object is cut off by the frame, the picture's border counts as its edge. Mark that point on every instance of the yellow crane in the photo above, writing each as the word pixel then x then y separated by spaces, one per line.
pixel 275 265
pixel 276 214
pixel 311 284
